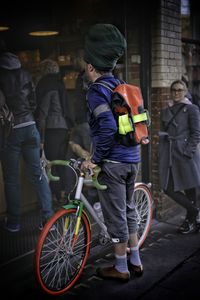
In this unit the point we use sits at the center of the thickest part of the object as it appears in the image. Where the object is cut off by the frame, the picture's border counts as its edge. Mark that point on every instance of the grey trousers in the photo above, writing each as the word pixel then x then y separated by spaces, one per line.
pixel 117 200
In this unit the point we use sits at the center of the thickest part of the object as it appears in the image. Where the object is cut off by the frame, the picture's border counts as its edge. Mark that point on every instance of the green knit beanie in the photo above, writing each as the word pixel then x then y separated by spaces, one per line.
pixel 104 45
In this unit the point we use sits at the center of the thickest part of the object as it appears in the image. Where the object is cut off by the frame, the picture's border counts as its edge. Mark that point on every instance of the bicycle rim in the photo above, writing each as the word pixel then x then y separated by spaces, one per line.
pixel 58 264
pixel 143 201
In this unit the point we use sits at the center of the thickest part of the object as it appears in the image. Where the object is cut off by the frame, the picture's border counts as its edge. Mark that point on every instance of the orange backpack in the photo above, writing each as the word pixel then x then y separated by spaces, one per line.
pixel 131 117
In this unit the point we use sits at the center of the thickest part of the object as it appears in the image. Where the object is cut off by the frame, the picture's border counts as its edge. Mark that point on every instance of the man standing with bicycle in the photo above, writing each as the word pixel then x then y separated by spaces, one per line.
pixel 104 45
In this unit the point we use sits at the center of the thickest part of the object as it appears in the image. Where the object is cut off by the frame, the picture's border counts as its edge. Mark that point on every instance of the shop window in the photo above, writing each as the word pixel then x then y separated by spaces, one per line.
pixel 191 68
pixel 185 19
pixel 190 49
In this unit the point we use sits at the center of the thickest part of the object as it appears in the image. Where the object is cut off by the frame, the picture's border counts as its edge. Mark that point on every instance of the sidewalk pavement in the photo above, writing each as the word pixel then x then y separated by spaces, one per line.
pixel 171 267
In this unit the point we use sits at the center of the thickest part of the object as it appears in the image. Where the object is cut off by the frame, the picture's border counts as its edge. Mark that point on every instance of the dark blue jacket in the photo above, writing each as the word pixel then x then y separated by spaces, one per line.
pixel 103 125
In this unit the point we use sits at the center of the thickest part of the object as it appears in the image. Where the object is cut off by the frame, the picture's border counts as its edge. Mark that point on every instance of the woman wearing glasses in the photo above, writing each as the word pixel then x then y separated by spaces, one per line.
pixel 179 153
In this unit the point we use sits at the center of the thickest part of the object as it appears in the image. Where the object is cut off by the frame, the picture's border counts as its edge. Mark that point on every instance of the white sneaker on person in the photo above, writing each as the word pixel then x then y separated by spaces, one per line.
pixel 11 227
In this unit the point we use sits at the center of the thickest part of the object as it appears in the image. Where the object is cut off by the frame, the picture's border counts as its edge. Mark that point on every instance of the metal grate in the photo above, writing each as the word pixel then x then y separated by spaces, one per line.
pixel 13 245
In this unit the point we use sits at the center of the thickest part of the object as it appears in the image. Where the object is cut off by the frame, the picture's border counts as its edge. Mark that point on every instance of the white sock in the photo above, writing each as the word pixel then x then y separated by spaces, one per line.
pixel 121 263
pixel 135 256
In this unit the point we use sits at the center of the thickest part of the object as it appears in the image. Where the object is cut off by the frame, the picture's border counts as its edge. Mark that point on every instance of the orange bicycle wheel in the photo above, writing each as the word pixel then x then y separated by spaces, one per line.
pixel 59 261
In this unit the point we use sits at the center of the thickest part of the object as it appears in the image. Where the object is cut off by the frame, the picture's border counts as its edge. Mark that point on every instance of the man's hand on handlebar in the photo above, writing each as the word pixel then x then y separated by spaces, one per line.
pixel 87 164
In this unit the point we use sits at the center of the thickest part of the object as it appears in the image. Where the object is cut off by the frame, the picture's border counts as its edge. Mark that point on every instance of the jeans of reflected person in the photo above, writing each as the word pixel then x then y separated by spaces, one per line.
pixel 24 143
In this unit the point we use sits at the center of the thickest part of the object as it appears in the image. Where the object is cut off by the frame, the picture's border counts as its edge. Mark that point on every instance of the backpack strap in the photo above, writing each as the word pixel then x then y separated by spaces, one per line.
pixel 108 85
pixel 105 85
pixel 103 107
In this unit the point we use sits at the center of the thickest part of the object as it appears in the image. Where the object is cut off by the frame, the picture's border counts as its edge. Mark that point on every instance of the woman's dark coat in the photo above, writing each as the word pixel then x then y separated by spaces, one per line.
pixel 179 147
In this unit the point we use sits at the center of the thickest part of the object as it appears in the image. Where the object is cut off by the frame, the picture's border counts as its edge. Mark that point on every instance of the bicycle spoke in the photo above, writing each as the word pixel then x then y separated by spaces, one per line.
pixel 143 211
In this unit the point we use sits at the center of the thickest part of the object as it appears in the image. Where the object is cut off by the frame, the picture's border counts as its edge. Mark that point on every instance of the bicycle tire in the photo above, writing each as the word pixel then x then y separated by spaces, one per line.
pixel 57 265
pixel 144 208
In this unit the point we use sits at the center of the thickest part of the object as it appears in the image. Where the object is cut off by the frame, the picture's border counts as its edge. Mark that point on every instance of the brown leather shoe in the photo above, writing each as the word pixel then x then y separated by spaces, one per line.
pixel 112 273
pixel 137 270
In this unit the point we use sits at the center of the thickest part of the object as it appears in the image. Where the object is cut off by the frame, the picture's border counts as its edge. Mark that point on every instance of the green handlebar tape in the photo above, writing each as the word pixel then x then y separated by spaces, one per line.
pixel 56 163
pixel 99 186
pixel 66 163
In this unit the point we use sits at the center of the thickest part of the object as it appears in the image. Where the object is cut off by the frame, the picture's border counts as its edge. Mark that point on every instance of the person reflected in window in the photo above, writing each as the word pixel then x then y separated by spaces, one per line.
pixel 22 142
pixel 80 134
pixel 54 122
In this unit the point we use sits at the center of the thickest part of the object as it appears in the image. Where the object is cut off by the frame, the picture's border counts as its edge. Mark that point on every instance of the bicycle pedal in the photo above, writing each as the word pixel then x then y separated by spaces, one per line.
pixel 103 240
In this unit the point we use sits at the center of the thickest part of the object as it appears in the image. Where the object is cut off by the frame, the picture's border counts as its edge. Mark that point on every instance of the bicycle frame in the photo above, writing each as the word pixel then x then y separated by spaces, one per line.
pixel 94 215
pixel 80 196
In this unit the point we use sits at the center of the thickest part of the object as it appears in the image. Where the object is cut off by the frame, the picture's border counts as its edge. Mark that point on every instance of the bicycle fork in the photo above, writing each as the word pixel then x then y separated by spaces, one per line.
pixel 77 226
pixel 78 211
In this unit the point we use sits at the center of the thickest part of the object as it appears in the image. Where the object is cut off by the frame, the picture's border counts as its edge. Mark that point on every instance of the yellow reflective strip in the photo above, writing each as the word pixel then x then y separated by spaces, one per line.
pixel 140 118
pixel 77 225
pixel 124 124
pixel 66 223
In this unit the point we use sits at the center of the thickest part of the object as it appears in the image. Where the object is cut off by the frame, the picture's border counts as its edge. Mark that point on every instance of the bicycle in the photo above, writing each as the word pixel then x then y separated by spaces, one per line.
pixel 64 243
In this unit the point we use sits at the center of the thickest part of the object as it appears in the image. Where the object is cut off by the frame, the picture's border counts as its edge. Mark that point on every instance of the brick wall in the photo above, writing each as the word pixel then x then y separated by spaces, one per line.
pixel 166 67
pixel 166 44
